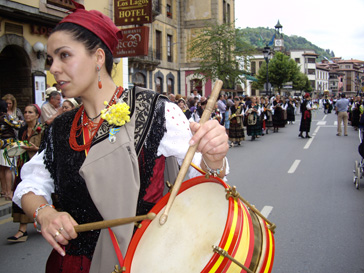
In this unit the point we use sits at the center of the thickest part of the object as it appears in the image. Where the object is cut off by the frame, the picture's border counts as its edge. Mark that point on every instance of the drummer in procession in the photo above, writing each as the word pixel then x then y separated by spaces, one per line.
pixel 94 159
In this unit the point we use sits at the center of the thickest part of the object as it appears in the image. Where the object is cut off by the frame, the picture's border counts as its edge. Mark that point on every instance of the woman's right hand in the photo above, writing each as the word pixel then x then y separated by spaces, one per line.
pixel 57 228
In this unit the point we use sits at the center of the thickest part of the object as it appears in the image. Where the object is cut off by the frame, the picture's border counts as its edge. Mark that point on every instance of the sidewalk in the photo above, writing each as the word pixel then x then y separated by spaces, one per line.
pixel 5 207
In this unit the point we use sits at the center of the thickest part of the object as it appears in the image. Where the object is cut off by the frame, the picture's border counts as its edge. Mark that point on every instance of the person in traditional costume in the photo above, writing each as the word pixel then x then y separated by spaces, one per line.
pixel 105 159
pixel 262 117
pixel 31 135
pixel 355 112
pixel 9 126
pixel 291 109
pixel 284 107
pixel 254 127
pixel 278 114
pixel 268 115
pixel 305 125
pixel 236 132
pixel 326 104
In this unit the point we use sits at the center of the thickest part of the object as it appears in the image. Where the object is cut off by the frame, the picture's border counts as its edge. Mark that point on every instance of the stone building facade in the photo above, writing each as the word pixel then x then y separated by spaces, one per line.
pixel 24 28
pixel 168 67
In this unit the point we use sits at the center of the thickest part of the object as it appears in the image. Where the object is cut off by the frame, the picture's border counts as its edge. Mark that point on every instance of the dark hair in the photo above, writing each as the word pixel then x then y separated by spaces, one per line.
pixel 343 95
pixel 90 41
pixel 53 94
pixel 3 106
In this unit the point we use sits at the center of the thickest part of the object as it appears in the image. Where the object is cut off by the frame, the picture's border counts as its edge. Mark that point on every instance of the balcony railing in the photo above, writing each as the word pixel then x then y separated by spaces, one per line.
pixel 148 63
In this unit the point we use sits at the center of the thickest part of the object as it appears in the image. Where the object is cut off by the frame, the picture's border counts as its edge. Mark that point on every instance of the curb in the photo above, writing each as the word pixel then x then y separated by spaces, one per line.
pixel 5 209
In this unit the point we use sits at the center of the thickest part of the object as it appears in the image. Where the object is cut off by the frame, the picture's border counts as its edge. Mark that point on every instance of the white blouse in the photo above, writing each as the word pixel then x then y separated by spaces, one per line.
pixel 175 142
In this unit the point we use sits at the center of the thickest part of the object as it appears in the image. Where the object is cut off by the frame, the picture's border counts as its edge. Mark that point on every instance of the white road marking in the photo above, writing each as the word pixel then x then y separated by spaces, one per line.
pixel 324 117
pixel 308 143
pixel 322 122
pixel 316 130
pixel 266 211
pixel 335 123
pixel 294 166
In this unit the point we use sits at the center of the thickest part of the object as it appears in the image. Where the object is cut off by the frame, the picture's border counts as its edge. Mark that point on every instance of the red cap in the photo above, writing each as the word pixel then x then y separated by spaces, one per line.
pixel 96 22
pixel 307 95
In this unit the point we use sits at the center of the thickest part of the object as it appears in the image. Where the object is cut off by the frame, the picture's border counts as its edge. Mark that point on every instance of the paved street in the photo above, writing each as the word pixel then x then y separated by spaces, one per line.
pixel 304 185
pixel 317 210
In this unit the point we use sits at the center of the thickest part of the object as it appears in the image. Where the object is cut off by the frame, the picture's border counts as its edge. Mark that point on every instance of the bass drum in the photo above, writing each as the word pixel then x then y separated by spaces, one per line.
pixel 201 217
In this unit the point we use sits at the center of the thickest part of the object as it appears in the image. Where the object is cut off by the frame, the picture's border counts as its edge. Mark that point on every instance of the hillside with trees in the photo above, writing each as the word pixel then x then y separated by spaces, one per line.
pixel 260 37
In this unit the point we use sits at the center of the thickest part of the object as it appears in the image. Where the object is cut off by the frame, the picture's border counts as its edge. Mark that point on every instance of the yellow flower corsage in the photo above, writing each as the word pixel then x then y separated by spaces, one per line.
pixel 117 114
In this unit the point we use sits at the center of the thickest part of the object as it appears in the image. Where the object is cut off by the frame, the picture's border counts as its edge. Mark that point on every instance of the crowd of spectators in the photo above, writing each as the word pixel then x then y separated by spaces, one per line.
pixel 25 133
pixel 243 115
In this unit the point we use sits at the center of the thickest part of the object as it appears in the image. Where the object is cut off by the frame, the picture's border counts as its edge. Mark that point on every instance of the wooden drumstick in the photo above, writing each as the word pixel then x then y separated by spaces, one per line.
pixel 191 152
pixel 113 223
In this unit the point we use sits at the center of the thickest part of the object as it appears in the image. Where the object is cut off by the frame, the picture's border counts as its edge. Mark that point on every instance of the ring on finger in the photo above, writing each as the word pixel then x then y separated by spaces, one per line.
pixel 60 229
pixel 57 234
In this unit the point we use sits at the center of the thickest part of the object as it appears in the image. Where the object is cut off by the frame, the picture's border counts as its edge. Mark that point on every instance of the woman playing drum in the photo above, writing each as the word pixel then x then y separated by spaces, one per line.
pixel 101 163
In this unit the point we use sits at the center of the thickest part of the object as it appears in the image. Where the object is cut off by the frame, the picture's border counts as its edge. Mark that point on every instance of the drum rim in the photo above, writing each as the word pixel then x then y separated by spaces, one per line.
pixel 258 241
pixel 268 259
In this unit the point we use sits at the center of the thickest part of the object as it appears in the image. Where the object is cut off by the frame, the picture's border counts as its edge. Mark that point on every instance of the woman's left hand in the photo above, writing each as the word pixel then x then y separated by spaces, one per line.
pixel 213 140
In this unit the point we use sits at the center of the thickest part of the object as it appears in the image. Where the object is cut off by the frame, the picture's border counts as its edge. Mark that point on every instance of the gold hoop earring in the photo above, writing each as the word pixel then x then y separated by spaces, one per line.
pixel 98 68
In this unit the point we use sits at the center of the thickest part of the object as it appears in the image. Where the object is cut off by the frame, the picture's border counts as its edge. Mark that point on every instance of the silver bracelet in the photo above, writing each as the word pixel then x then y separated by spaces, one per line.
pixel 35 215
pixel 215 172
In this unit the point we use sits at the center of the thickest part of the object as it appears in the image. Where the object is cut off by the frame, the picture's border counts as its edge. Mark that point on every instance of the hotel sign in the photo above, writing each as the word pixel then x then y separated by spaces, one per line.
pixel 133 12
pixel 135 42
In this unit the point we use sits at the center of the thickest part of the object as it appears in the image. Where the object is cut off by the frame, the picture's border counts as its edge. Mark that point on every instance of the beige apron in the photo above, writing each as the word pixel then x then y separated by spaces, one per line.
pixel 112 178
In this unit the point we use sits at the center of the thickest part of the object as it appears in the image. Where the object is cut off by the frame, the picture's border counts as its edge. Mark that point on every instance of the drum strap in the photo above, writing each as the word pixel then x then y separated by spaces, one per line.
pixel 116 247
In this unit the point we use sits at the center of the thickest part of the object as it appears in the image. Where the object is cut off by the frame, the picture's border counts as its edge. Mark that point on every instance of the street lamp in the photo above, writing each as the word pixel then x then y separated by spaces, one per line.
pixel 267 55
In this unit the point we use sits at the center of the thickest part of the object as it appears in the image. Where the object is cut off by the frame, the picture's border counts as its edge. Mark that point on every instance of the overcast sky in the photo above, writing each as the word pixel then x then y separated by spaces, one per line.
pixel 329 24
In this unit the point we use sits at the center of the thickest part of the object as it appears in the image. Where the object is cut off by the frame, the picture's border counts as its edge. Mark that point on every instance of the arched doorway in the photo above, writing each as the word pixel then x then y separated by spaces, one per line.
pixel 196 84
pixel 16 75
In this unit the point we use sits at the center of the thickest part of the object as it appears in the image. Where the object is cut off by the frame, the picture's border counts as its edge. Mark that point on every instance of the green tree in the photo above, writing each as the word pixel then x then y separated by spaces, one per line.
pixel 216 49
pixel 302 83
pixel 281 69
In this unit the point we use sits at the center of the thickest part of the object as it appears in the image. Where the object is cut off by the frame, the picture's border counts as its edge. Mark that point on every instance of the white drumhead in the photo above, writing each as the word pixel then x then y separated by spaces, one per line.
pixel 184 243
pixel 14 151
